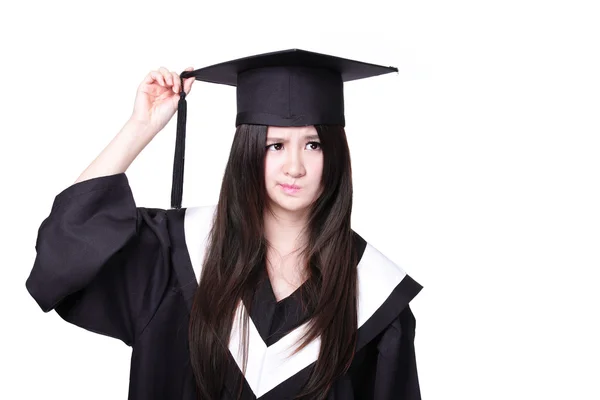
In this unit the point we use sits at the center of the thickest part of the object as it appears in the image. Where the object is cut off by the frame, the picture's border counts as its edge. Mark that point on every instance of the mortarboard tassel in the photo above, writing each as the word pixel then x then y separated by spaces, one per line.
pixel 178 162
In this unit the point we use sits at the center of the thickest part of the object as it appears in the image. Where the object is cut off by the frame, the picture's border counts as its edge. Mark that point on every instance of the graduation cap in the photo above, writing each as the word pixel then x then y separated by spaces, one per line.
pixel 283 88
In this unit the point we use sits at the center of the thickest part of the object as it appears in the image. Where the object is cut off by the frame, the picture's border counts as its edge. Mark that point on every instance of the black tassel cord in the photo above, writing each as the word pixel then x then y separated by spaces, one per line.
pixel 179 160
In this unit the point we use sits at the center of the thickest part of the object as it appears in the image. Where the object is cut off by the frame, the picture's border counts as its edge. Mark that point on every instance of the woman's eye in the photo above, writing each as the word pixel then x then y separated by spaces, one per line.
pixel 274 144
pixel 315 143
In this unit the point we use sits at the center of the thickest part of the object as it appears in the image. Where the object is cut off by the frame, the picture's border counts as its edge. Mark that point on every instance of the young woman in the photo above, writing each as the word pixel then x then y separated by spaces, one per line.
pixel 269 294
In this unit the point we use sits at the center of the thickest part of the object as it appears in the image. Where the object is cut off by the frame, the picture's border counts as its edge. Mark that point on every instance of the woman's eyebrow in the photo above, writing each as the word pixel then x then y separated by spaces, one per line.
pixel 311 137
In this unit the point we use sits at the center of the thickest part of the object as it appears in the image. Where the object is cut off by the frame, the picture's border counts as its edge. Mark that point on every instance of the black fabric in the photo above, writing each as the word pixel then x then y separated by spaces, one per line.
pixel 290 96
pixel 124 271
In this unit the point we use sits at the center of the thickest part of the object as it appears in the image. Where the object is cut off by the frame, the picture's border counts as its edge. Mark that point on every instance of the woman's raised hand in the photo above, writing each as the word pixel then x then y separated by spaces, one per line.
pixel 157 97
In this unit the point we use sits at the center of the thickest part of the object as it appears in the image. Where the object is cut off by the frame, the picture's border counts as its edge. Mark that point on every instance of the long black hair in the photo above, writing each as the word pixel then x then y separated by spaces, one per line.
pixel 237 247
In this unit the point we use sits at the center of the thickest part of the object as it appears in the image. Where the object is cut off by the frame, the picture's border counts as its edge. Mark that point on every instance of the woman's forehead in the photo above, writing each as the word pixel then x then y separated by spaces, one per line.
pixel 289 131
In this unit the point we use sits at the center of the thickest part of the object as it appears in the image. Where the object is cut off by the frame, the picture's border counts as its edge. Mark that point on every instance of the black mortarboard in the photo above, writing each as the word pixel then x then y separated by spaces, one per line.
pixel 283 88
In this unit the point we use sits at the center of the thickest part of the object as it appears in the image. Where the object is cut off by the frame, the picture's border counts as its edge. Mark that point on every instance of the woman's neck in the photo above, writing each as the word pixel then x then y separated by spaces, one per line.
pixel 284 231
pixel 286 237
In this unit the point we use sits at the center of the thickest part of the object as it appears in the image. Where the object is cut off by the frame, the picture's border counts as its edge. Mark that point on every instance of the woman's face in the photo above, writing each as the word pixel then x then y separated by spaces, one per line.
pixel 293 157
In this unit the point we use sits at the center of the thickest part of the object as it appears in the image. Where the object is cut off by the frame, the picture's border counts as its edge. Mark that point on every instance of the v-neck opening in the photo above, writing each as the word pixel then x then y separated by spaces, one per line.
pixel 290 297
pixel 274 319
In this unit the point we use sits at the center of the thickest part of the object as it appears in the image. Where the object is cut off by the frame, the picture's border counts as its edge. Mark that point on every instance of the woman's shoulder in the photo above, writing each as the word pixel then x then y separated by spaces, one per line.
pixel 382 282
pixel 375 265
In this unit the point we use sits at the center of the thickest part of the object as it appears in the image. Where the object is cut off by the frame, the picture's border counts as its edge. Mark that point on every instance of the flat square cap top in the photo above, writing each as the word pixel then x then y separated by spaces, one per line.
pixel 226 73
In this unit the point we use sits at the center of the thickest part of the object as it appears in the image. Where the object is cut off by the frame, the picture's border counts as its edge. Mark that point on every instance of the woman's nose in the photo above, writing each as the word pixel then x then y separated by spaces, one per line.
pixel 294 165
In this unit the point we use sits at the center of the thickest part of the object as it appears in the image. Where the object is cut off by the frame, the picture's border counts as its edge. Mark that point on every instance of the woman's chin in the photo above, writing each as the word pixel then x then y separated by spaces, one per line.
pixel 290 205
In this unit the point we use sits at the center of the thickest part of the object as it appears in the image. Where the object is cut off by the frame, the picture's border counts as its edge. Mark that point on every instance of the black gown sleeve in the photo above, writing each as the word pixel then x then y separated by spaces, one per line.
pixel 102 263
pixel 396 373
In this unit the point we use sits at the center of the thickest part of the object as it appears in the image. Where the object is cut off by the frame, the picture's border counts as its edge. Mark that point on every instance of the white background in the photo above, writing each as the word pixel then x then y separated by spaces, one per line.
pixel 476 168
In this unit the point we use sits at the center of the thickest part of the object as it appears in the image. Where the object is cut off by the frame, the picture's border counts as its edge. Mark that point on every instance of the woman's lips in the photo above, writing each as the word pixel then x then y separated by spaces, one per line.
pixel 290 189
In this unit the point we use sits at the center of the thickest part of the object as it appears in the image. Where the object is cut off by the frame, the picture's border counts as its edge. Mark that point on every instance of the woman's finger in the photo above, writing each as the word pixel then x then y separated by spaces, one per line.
pixel 176 83
pixel 167 76
pixel 157 76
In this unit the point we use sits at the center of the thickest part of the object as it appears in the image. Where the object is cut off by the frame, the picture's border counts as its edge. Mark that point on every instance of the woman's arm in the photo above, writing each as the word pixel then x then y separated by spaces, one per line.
pixel 120 152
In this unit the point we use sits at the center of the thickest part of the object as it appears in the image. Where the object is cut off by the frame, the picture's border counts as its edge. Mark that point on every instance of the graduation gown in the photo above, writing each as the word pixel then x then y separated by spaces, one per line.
pixel 130 273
